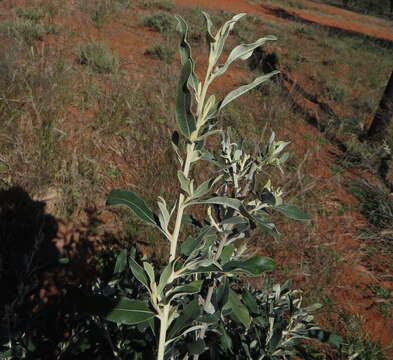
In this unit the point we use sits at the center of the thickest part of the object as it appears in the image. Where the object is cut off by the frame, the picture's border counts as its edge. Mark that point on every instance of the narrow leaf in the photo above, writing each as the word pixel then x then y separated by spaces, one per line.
pixel 209 25
pixel 191 288
pixel 265 225
pixel 184 182
pixel 139 273
pixel 149 271
pixel 229 202
pixel 223 33
pixel 165 275
pixel 196 347
pixel 129 312
pixel 185 50
pixel 121 262
pixel 190 219
pixel 243 51
pixel 255 265
pixel 190 312
pixel 132 201
pixel 205 187
pixel 292 211
pixel 245 88
pixel 239 310
pixel 221 294
pixel 122 310
pixel 185 118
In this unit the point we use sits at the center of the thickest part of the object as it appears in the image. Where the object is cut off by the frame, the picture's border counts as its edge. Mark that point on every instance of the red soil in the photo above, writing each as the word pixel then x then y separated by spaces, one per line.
pixel 351 276
pixel 347 20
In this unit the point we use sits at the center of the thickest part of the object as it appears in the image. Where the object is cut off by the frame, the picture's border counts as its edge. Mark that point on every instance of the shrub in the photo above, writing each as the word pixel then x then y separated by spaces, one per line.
pixel 161 52
pixel 337 92
pixel 178 310
pixel 31 13
pixel 101 10
pixel 164 5
pixel 23 29
pixel 375 203
pixel 97 57
pixel 160 21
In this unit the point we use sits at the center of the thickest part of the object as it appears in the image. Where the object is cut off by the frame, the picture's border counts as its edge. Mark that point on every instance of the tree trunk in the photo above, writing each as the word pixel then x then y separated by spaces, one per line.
pixel 391 8
pixel 383 117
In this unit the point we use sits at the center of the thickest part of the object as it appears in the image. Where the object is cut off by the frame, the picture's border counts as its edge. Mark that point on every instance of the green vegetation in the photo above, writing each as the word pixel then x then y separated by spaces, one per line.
pixel 375 203
pixel 71 134
pixel 97 57
pixel 368 7
pixel 25 29
pixel 161 22
pixel 32 13
pixel 161 52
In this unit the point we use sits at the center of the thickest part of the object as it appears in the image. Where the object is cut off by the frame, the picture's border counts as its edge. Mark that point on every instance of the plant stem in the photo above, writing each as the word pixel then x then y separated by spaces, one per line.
pixel 187 166
pixel 163 328
pixel 180 207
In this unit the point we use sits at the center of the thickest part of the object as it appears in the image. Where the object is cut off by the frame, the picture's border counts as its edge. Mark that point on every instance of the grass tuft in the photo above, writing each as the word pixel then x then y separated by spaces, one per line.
pixel 161 52
pixel 160 21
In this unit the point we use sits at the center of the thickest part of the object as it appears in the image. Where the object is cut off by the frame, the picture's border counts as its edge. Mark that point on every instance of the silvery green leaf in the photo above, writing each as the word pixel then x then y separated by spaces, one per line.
pixel 251 303
pixel 175 144
pixel 184 182
pixel 191 329
pixel 243 51
pixel 209 25
pixel 235 220
pixel 190 312
pixel 121 262
pixel 209 308
pixel 190 219
pixel 126 311
pixel 164 215
pixel 132 201
pixel 265 225
pixel 165 275
pixel 203 269
pixel 188 246
pixel 209 133
pixel 239 310
pixel 226 340
pixel 245 88
pixel 196 155
pixel 222 35
pixel 226 253
pixel 150 271
pixel 121 310
pixel 313 307
pixel 292 211
pixel 185 51
pixel 205 187
pixel 6 354
pixel 139 273
pixel 208 156
pixel 185 118
pixel 221 293
pixel 188 289
pixel 192 245
pixel 224 201
pixel 196 347
pixel 254 266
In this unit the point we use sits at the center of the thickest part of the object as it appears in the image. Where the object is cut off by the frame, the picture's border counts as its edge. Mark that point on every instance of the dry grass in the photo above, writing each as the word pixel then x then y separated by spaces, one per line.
pixel 71 136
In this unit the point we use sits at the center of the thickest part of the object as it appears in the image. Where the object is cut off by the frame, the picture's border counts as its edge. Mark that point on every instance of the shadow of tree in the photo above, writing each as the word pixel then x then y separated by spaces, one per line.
pixel 34 309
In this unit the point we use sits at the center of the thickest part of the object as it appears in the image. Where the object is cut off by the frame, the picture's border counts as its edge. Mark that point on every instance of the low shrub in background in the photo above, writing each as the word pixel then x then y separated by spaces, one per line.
pixel 98 57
